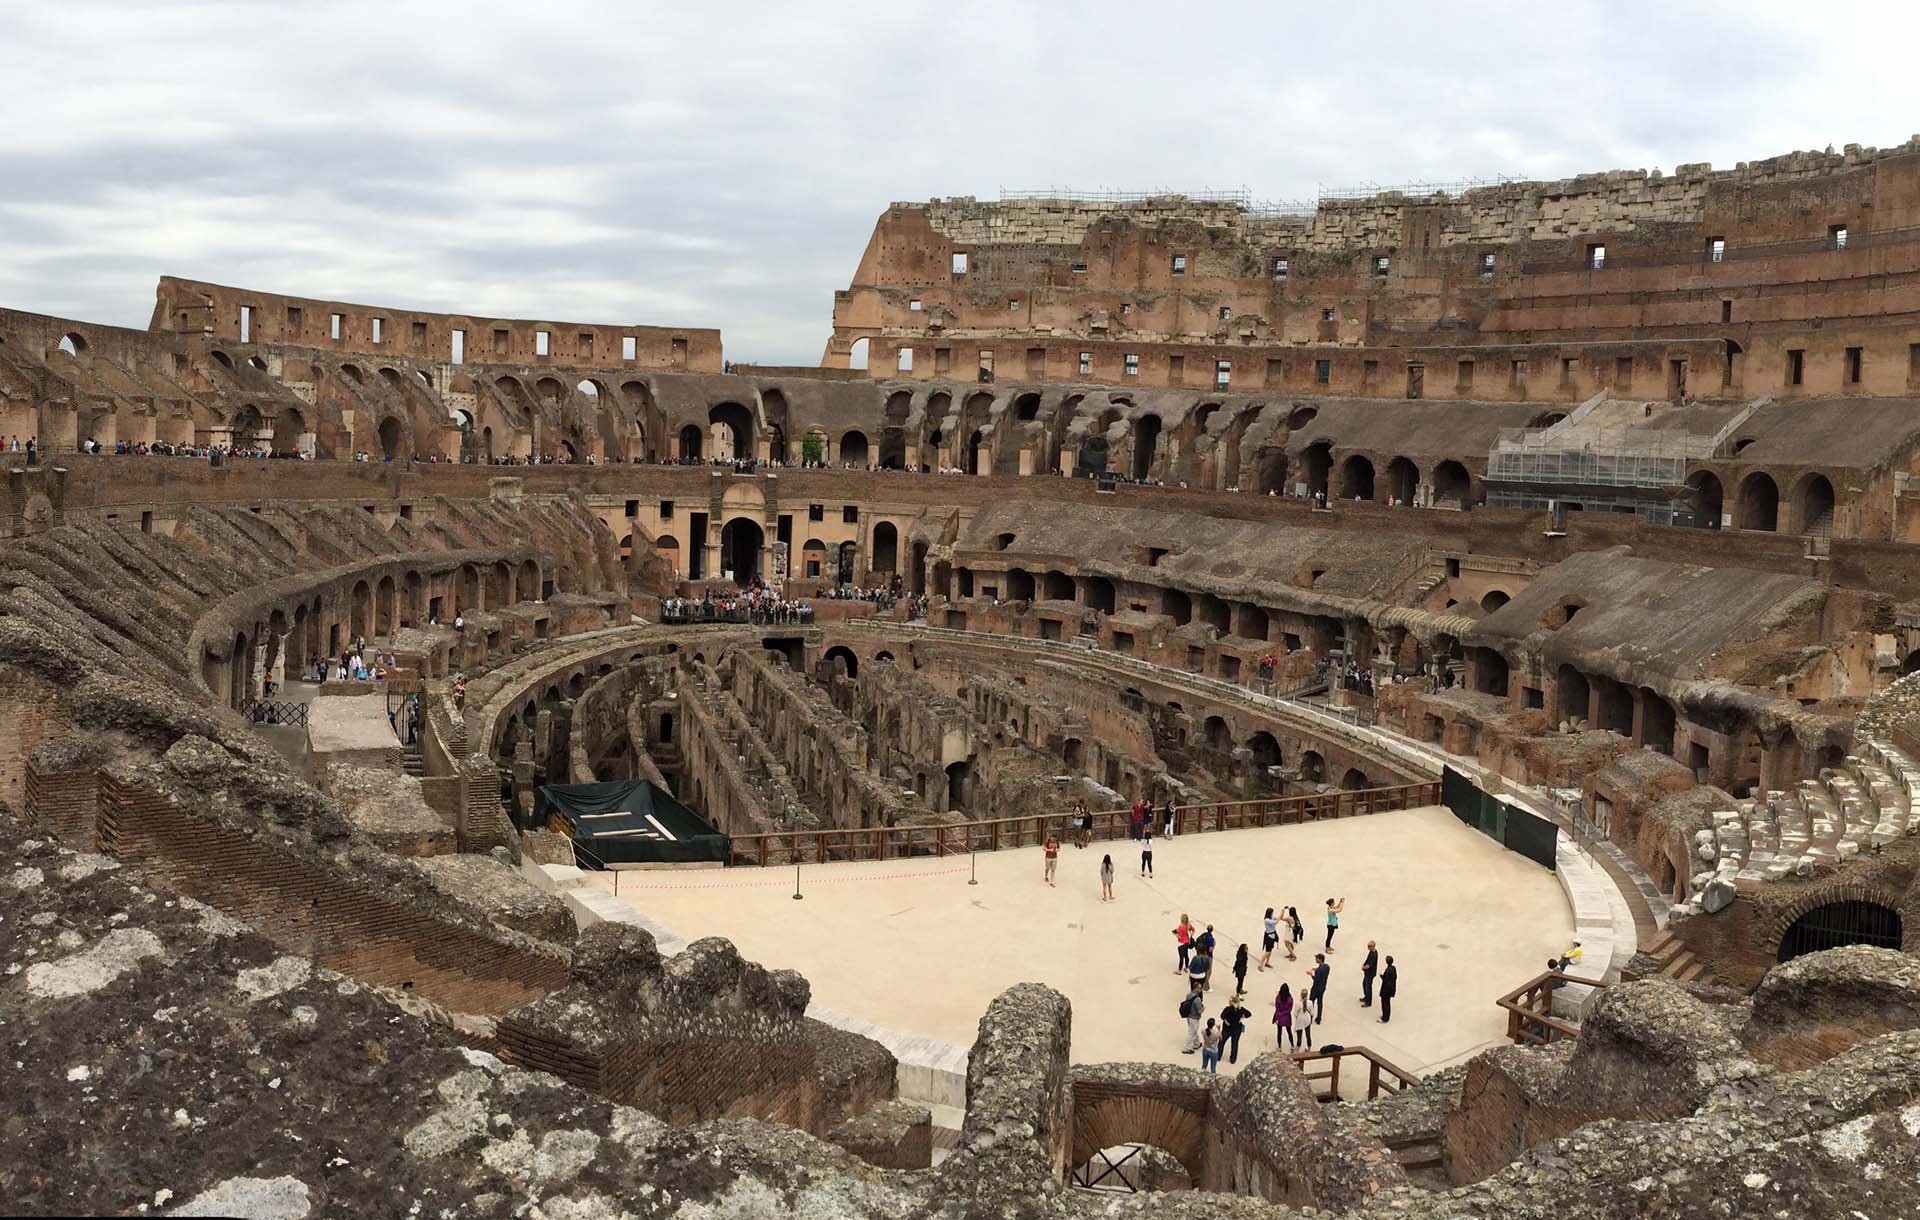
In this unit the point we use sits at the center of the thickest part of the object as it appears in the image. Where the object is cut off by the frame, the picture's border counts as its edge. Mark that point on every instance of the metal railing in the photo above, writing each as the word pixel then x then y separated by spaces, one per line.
pixel 1383 1075
pixel 274 711
pixel 993 834
pixel 1529 1009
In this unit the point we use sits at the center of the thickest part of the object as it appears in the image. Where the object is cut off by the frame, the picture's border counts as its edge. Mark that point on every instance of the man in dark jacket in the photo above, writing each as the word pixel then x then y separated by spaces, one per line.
pixel 1233 1023
pixel 1317 994
pixel 1368 969
pixel 1389 983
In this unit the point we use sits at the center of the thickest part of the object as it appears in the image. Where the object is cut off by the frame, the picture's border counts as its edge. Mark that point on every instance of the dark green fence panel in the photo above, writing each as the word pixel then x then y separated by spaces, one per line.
pixel 1513 828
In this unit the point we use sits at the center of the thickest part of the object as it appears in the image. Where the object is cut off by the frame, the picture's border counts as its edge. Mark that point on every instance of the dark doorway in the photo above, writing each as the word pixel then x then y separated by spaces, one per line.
pixel 740 545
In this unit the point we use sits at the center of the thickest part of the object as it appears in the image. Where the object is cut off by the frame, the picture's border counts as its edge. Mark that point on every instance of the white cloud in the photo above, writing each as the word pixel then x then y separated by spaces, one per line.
pixel 722 164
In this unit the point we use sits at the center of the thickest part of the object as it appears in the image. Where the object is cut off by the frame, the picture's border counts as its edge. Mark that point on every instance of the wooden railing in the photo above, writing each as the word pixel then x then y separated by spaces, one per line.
pixel 960 838
pixel 1530 1018
pixel 1383 1075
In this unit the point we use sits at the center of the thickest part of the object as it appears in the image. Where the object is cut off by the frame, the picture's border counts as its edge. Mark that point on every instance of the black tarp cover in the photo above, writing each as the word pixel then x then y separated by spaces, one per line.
pixel 629 822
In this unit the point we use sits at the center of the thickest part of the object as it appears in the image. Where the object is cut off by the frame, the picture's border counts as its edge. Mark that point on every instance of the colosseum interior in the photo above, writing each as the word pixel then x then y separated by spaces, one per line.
pixel 1567 523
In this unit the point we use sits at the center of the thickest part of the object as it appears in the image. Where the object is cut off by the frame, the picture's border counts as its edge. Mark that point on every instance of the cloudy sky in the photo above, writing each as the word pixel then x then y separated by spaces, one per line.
pixel 720 164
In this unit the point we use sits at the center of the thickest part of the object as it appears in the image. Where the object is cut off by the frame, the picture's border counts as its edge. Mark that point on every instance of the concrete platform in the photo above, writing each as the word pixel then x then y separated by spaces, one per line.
pixel 911 947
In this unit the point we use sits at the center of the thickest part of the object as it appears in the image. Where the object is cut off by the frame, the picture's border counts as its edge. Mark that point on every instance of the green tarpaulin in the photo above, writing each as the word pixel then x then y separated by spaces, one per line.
pixel 1512 827
pixel 628 822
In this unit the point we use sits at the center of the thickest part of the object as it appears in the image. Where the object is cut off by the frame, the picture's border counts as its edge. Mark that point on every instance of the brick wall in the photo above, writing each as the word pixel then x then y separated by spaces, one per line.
pixel 316 909
pixel 65 803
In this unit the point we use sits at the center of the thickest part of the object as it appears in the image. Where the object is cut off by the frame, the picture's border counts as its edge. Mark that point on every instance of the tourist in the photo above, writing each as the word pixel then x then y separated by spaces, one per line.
pixel 1571 957
pixel 1086 825
pixel 1333 920
pixel 1052 851
pixel 1210 1049
pixel 1138 816
pixel 1199 966
pixel 1269 937
pixel 1389 983
pixel 1183 938
pixel 1233 1023
pixel 1166 818
pixel 1317 992
pixel 1303 1024
pixel 1192 1008
pixel 1368 969
pixel 1299 933
pixel 1240 969
pixel 1106 878
pixel 1146 852
pixel 1283 1016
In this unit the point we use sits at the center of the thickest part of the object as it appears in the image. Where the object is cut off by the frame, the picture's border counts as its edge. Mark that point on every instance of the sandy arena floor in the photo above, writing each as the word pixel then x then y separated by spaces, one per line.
pixel 910 945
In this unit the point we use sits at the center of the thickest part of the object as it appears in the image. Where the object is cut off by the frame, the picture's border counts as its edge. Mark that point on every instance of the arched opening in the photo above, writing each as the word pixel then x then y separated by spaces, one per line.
pixel 1056 586
pixel 1272 478
pixel 842 659
pixel 1019 584
pixel 1813 506
pixel 1026 408
pixel 1356 478
pixel 853 449
pixel 857 354
pixel 847 553
pixel 1318 460
pixel 1704 499
pixel 287 430
pixel 690 442
pixel 741 541
pixel 1403 480
pixel 248 427
pixel 1252 622
pixel 1490 671
pixel 1312 767
pixel 1355 779
pixel 1217 736
pixel 813 559
pixel 1099 593
pixel 1146 436
pixel 1073 754
pixel 1213 613
pixel 917 569
pixel 1265 751
pixel 384 605
pixel 893 449
pixel 1759 507
pixel 1574 693
pixel 1833 924
pixel 390 438
pixel 1656 722
pixel 1177 606
pixel 732 428
pixel 959 785
pixel 886 546
pixel 1494 600
pixel 1451 484
pixel 972 463
pixel 73 343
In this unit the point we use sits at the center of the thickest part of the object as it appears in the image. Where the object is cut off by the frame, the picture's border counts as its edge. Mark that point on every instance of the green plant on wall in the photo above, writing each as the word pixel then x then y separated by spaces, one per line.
pixel 812 446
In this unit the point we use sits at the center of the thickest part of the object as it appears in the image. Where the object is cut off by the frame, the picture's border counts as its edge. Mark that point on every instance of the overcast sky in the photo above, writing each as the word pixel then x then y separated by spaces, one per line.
pixel 718 164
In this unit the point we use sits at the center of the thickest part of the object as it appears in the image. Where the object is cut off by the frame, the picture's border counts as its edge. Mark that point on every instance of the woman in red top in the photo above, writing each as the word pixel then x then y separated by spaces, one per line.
pixel 1183 936
pixel 1052 850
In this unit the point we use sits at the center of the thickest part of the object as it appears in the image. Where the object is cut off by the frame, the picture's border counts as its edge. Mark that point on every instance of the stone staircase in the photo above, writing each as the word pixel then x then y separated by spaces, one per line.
pixel 1419 1155
pixel 1866 802
pixel 411 761
pixel 1676 961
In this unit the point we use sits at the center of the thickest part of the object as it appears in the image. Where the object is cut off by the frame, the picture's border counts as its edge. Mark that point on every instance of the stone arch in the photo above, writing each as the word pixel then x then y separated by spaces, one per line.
pixel 393 438
pixel 1356 478
pixel 742 542
pixel 1451 482
pixel 1217 734
pixel 1312 766
pixel 1825 913
pixel 1026 408
pixel 1759 504
pixel 1403 480
pixel 844 659
pixel 853 448
pixel 1355 779
pixel 886 547
pixel 288 427
pixel 1574 693
pixel 1705 498
pixel 1099 593
pixel 690 442
pixel 1813 502
pixel 731 425
pixel 1146 439
pixel 1019 584
pixel 1138 1119
pixel 1056 585
pixel 1265 749
pixel 1318 463
pixel 1495 599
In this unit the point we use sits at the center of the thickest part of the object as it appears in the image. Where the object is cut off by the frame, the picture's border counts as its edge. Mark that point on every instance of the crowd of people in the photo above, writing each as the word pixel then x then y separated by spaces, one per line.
pixel 1198 949
pixel 753 603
